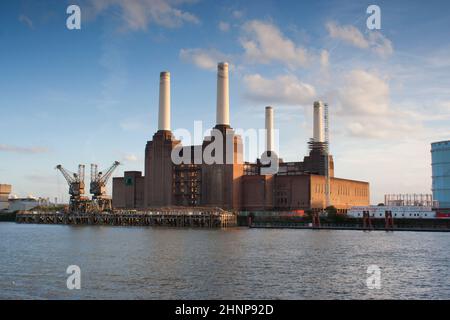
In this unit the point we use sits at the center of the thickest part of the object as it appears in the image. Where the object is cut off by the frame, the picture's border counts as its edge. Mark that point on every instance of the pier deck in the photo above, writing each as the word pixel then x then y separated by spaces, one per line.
pixel 198 218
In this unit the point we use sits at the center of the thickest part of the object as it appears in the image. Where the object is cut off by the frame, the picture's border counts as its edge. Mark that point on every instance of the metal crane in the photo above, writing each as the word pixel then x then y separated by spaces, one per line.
pixel 78 202
pixel 98 184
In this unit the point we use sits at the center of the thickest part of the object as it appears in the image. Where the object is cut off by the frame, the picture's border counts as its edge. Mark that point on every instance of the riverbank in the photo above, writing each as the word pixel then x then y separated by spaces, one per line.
pixel 344 223
pixel 343 227
pixel 8 217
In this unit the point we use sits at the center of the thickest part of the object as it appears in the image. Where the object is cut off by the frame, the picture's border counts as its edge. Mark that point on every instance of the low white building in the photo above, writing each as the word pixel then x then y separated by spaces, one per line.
pixel 398 212
pixel 22 204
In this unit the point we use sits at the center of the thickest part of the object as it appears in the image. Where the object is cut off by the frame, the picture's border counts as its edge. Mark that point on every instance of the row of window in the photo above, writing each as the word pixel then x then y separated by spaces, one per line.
pixel 395 215
pixel 343 190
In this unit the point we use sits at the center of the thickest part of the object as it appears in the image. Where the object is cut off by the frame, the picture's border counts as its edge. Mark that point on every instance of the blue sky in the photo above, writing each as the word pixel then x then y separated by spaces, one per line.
pixel 91 95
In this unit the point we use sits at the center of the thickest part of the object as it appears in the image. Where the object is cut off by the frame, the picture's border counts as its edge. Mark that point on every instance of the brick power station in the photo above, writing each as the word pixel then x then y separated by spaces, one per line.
pixel 232 184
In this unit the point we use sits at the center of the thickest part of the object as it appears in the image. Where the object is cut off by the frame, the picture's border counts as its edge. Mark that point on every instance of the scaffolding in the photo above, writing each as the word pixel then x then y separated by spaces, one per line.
pixel 414 199
pixel 187 184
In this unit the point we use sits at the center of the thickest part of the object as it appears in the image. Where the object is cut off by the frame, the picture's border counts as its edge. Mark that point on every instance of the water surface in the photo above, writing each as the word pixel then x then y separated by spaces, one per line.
pixel 238 263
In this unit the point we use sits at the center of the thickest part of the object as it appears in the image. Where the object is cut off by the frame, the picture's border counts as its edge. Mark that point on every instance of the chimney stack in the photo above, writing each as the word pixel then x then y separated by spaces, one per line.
pixel 319 133
pixel 269 129
pixel 164 101
pixel 223 100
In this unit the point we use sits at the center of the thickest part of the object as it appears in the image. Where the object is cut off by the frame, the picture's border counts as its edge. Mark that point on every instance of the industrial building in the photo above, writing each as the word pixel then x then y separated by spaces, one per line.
pixel 12 203
pixel 5 190
pixel 401 206
pixel 228 182
pixel 440 166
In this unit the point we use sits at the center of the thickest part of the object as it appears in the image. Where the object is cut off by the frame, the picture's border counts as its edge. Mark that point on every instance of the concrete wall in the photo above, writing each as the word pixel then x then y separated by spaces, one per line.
pixel 158 191
pixel 221 183
pixel 292 192
pixel 257 192
pixel 128 191
pixel 343 193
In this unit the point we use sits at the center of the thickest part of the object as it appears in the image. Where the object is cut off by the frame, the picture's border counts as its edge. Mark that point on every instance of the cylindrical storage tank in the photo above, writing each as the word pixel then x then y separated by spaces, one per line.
pixel 440 167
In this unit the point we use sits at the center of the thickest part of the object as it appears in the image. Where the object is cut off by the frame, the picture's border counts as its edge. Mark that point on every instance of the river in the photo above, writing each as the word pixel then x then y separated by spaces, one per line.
pixel 236 263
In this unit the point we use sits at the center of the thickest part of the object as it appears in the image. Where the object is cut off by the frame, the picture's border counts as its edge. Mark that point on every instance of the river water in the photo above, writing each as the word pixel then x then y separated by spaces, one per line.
pixel 237 263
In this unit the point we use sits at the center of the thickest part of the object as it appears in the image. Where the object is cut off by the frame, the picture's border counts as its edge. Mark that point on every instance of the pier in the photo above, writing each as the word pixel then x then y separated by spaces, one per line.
pixel 343 226
pixel 189 218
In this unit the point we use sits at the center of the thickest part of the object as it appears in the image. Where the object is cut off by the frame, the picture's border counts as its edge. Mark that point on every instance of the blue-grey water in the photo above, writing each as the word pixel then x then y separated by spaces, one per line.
pixel 238 263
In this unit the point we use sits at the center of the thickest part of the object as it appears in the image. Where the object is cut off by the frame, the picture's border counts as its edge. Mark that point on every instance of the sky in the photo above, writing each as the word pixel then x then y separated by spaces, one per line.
pixel 91 95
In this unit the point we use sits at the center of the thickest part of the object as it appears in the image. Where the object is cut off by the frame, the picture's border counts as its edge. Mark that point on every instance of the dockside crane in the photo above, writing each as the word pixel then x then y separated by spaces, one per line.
pixel 78 201
pixel 99 180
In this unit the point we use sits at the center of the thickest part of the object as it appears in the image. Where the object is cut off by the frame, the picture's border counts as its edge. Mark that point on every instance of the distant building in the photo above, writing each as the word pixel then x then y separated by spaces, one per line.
pixel 440 165
pixel 414 199
pixel 398 212
pixel 128 191
pixel 5 190
pixel 23 204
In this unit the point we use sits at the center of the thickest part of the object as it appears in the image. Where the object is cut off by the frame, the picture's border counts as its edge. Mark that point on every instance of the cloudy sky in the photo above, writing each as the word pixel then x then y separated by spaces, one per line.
pixel 91 95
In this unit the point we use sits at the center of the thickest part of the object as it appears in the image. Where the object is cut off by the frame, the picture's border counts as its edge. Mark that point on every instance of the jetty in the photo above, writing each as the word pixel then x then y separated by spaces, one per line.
pixel 166 217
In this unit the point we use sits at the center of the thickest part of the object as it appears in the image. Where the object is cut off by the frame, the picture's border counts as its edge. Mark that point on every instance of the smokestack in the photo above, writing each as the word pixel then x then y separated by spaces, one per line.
pixel 223 99
pixel 319 133
pixel 269 129
pixel 164 101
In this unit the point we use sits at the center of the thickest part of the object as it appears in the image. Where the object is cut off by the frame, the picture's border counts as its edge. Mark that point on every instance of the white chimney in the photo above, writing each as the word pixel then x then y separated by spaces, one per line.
pixel 223 99
pixel 269 129
pixel 164 101
pixel 319 133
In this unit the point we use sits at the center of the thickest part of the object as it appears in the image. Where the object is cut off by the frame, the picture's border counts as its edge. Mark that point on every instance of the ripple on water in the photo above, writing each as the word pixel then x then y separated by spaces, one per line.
pixel 240 263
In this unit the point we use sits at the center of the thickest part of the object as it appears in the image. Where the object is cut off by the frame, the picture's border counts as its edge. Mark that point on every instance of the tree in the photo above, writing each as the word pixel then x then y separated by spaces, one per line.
pixel 333 215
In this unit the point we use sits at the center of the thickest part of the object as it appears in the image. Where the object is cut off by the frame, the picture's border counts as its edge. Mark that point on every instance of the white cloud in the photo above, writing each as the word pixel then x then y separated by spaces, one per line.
pixel 364 93
pixel 264 43
pixel 375 41
pixel 138 14
pixel 203 58
pixel 324 58
pixel 365 110
pixel 282 90
pixel 40 178
pixel 380 44
pixel 348 33
pixel 130 158
pixel 134 124
pixel 26 20
pixel 18 149
pixel 237 14
pixel 224 26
